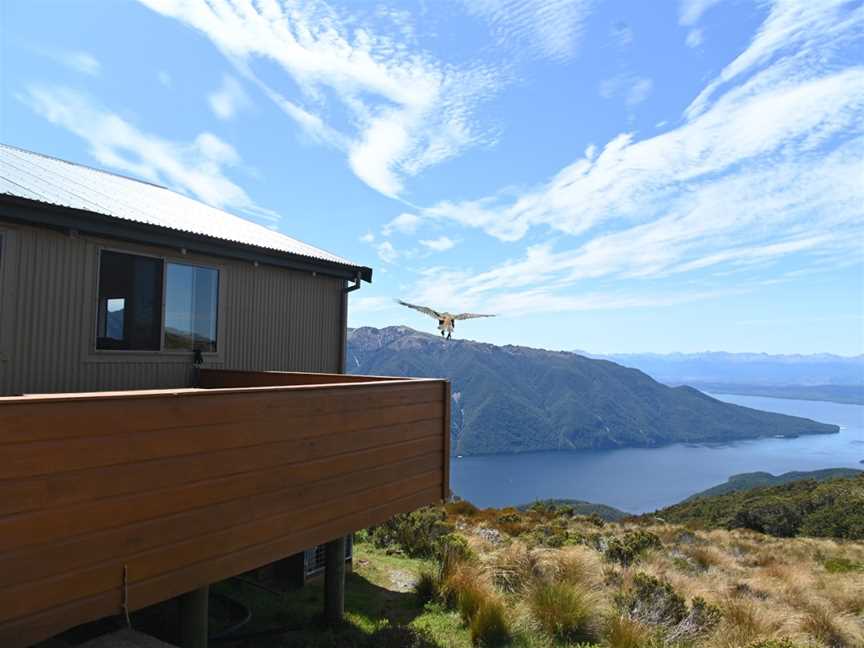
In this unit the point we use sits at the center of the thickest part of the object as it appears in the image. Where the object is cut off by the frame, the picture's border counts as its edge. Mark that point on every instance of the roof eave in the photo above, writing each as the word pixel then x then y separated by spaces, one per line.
pixel 34 212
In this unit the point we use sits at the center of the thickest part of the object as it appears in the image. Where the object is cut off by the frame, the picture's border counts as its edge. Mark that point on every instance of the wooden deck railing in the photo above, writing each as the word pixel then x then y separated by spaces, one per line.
pixel 181 488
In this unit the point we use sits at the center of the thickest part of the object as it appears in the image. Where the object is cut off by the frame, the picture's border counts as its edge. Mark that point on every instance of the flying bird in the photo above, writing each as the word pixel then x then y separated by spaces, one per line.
pixel 446 321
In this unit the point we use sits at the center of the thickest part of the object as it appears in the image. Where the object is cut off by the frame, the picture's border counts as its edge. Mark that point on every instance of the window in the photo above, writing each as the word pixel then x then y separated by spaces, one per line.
pixel 130 302
pixel 191 295
pixel 148 304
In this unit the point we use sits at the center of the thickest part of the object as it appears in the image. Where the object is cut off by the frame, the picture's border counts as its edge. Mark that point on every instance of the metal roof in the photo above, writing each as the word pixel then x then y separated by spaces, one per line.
pixel 44 179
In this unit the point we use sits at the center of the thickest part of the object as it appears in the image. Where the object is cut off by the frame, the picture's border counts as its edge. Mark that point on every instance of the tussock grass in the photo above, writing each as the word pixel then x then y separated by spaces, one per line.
pixel 490 625
pixel 661 586
pixel 465 589
pixel 832 629
pixel 426 587
pixel 564 611
pixel 515 567
pixel 623 632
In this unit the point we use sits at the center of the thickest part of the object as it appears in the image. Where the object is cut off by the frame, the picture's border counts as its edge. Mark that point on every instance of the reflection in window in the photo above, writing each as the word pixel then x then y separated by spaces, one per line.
pixel 114 318
pixel 191 302
pixel 130 302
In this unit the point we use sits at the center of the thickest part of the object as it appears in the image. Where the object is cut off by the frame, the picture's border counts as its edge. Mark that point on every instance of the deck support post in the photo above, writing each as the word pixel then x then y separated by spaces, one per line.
pixel 334 581
pixel 193 618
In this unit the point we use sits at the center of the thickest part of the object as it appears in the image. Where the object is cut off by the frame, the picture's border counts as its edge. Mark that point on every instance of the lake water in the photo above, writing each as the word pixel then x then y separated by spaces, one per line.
pixel 645 479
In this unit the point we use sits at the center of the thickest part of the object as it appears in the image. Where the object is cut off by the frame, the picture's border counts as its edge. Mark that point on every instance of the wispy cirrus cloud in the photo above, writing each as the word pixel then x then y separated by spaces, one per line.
pixel 767 163
pixel 77 60
pixel 386 252
pixel 634 89
pixel 690 11
pixel 394 109
pixel 197 167
pixel 548 29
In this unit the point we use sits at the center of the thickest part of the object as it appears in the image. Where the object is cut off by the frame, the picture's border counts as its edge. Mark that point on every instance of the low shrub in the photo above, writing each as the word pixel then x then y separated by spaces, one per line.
pixel 400 637
pixel 627 549
pixel 653 601
pixel 550 536
pixel 701 619
pixel 842 519
pixel 414 533
pixel 453 547
pixel 564 612
pixel 490 626
pixel 511 523
pixel 462 507
pixel 841 565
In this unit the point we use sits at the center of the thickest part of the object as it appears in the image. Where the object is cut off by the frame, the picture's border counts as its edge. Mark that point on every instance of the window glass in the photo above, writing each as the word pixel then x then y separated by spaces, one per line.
pixel 130 302
pixel 191 305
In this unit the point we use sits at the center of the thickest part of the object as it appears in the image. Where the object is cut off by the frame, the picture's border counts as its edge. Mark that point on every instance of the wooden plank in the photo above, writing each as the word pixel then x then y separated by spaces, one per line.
pixel 67 489
pixel 445 494
pixel 25 529
pixel 25 421
pixel 220 378
pixel 232 479
pixel 46 457
pixel 31 597
pixel 23 632
pixel 41 561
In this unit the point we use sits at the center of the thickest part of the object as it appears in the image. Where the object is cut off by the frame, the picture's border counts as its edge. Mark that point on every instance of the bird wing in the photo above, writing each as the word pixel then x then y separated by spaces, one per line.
pixel 422 309
pixel 464 316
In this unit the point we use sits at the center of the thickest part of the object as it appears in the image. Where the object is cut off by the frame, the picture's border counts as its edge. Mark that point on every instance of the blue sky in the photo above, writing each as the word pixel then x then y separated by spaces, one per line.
pixel 610 176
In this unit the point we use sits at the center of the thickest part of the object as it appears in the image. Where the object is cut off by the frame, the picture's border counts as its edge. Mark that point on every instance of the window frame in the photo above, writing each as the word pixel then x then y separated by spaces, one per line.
pixel 177 354
pixel 193 264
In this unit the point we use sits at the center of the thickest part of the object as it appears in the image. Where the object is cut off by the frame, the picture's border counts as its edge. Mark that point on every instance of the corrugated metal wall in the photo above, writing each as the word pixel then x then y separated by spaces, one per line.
pixel 270 318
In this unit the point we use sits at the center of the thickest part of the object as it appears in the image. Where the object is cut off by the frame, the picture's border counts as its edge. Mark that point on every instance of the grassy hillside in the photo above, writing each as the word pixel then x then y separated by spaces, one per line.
pixel 832 508
pixel 749 481
pixel 515 399
pixel 456 577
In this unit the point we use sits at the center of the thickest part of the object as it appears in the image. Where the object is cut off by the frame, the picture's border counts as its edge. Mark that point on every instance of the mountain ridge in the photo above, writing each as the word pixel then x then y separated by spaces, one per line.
pixel 510 399
pixel 759 369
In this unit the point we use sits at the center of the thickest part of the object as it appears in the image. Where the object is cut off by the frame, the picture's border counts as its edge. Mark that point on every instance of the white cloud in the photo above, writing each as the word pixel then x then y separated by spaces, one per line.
pixel 363 305
pixel 368 237
pixel 164 78
pixel 196 167
pixel 386 252
pixel 77 60
pixel 776 115
pixel 549 29
pixel 770 168
pixel 694 38
pixel 802 33
pixel 392 108
pixel 440 244
pixel 83 62
pixel 634 89
pixel 690 11
pixel 405 223
pixel 228 99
